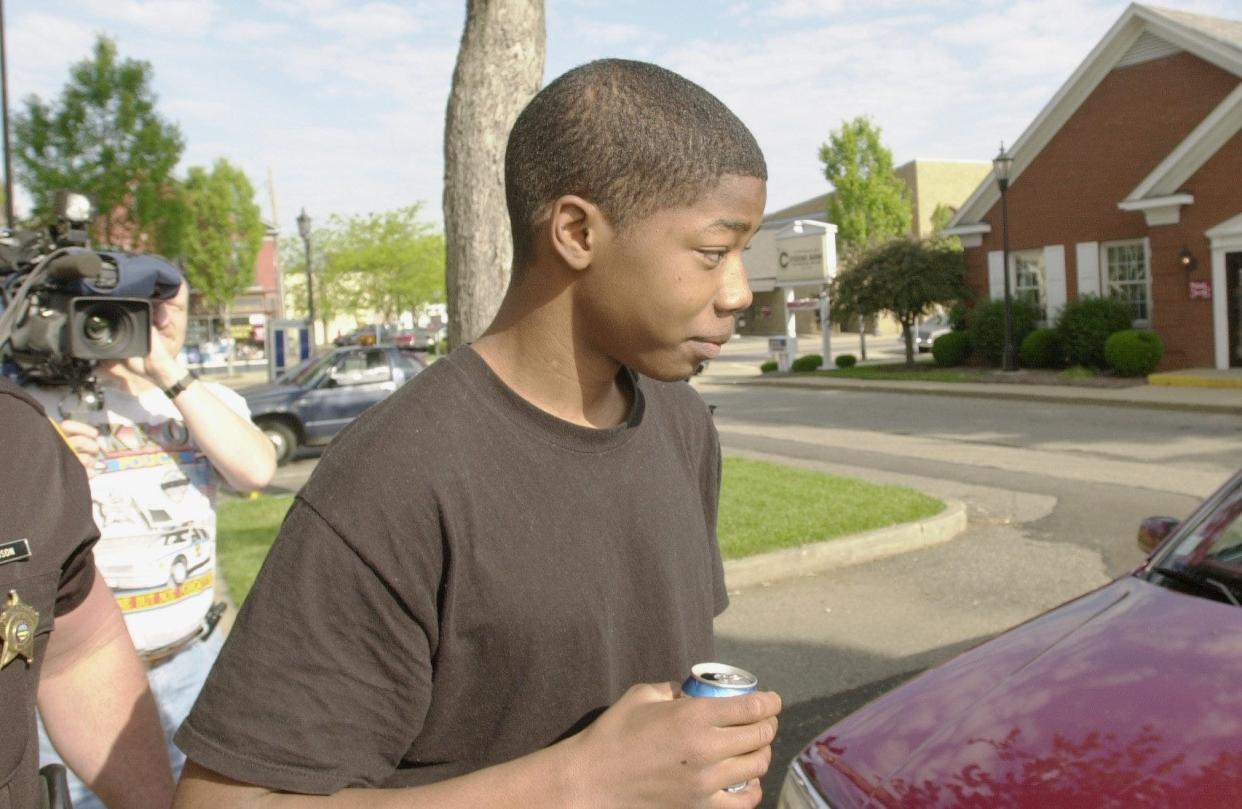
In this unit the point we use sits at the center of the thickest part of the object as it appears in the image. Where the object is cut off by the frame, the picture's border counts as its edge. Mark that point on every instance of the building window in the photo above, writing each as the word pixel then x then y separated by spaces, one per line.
pixel 1123 268
pixel 1030 279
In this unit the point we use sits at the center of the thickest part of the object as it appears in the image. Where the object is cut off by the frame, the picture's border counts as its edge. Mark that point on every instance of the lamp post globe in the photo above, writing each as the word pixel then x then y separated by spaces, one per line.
pixel 304 230
pixel 1002 164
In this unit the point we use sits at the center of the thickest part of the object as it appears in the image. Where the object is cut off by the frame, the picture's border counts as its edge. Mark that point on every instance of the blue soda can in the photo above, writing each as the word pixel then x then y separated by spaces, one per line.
pixel 719 680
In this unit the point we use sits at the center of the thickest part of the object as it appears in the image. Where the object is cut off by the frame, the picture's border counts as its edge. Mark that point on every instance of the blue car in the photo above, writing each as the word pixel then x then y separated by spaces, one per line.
pixel 313 402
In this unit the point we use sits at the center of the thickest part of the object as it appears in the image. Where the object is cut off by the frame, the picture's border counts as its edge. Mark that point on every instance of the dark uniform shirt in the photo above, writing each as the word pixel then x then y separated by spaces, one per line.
pixel 45 500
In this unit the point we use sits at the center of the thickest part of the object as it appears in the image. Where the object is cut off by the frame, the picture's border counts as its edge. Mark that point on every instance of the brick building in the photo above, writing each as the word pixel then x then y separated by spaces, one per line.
pixel 1129 184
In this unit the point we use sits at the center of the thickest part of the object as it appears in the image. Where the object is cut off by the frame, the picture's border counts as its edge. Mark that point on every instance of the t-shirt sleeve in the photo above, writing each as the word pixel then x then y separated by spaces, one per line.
pixel 325 679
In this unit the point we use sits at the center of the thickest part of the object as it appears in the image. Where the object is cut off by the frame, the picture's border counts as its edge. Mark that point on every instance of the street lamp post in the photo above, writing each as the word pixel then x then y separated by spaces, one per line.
pixel 1002 164
pixel 304 230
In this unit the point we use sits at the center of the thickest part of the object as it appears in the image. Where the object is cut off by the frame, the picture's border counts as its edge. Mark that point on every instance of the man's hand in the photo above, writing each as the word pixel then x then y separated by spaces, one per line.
pixel 655 748
pixel 83 439
pixel 159 366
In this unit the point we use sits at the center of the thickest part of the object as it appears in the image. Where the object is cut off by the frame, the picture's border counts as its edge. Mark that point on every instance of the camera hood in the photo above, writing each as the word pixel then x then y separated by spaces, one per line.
pixel 136 276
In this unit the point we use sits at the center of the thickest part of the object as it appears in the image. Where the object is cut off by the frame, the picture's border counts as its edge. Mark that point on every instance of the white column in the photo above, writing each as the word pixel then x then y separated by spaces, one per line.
pixel 1220 308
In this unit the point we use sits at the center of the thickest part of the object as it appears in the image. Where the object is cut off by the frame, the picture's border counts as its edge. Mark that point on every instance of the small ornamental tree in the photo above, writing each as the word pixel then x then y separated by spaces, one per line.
pixel 905 278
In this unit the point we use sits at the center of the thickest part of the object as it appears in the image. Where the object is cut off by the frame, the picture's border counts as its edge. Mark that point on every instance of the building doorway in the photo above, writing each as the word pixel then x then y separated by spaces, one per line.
pixel 1233 304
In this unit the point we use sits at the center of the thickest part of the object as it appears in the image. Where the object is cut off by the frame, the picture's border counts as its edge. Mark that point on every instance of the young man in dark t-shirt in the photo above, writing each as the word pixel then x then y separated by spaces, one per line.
pixel 464 595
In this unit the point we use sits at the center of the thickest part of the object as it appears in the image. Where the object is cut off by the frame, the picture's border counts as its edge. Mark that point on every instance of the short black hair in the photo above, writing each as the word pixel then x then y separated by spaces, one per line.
pixel 631 137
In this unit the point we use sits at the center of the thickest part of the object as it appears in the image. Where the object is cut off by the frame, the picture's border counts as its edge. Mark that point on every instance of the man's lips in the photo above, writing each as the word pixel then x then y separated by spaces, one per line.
pixel 709 347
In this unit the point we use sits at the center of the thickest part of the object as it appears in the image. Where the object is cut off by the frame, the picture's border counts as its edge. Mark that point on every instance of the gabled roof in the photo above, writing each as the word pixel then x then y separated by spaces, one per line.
pixel 1141 33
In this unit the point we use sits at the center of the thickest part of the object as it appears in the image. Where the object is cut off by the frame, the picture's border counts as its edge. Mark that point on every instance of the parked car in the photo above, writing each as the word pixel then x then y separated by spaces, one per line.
pixel 309 406
pixel 1127 696
pixel 418 338
pixel 927 332
pixel 367 335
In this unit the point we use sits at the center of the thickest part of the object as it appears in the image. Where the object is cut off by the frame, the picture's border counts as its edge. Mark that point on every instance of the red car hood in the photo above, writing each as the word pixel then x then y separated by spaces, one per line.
pixel 1128 696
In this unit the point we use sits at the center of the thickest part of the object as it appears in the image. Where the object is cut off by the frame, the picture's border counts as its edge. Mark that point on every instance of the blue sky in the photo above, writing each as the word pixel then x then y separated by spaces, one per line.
pixel 341 102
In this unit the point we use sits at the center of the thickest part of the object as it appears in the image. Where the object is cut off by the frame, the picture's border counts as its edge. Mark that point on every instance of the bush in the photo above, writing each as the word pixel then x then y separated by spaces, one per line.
pixel 1042 349
pixel 845 360
pixel 952 349
pixel 987 327
pixel 1084 325
pixel 957 316
pixel 807 363
pixel 1133 352
pixel 768 367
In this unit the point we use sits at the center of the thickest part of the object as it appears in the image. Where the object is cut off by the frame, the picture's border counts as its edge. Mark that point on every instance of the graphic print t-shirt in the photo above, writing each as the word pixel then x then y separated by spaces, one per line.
pixel 153 493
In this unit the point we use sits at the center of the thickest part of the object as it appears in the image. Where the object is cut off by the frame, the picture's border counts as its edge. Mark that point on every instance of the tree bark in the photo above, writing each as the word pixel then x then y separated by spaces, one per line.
pixel 499 68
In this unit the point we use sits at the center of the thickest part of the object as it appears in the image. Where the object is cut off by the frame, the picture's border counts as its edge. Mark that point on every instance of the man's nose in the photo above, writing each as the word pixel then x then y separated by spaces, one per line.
pixel 735 294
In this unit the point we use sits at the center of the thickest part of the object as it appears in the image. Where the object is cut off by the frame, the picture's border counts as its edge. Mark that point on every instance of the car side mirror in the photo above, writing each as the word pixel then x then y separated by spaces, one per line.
pixel 1154 530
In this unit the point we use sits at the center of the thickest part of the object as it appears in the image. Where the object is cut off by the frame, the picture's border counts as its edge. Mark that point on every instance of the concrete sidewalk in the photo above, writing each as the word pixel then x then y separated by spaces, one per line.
pixel 740 359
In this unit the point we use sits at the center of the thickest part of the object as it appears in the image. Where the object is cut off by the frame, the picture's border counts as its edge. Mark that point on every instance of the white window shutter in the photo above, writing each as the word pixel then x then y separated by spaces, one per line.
pixel 996 274
pixel 1054 269
pixel 1088 254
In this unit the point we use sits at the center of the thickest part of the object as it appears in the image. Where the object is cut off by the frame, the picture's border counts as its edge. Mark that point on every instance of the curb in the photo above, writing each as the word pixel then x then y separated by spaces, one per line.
pixel 1016 395
pixel 818 557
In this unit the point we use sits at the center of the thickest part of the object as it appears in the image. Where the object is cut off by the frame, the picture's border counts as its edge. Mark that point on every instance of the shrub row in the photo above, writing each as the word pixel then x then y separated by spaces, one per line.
pixel 1084 330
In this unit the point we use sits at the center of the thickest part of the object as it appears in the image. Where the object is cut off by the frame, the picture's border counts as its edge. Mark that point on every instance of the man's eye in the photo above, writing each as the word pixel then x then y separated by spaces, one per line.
pixel 714 257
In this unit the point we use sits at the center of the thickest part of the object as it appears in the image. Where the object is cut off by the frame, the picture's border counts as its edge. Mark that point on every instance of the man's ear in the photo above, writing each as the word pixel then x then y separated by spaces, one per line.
pixel 575 227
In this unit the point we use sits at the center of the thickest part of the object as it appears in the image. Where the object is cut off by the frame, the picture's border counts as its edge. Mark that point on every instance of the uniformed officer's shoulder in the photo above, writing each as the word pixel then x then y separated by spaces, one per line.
pixel 16 400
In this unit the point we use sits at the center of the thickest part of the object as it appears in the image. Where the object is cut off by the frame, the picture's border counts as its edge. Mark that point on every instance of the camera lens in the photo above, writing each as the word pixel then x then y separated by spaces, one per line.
pixel 99 330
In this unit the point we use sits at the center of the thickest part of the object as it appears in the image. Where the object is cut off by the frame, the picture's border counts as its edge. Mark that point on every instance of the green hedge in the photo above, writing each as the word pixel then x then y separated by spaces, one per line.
pixel 1084 324
pixel 1133 352
pixel 1042 349
pixel 846 360
pixel 987 327
pixel 952 349
pixel 769 366
pixel 807 363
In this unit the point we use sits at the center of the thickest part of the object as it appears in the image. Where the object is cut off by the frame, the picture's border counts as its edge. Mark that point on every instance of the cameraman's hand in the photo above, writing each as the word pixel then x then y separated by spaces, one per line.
pixel 159 365
pixel 83 439
pixel 655 749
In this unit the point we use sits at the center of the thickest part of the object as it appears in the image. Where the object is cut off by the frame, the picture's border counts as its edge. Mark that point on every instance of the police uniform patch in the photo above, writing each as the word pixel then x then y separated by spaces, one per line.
pixel 15 551
pixel 18 623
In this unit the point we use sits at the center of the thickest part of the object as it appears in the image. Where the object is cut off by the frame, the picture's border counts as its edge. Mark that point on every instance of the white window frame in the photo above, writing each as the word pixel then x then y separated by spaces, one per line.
pixel 1106 286
pixel 1041 288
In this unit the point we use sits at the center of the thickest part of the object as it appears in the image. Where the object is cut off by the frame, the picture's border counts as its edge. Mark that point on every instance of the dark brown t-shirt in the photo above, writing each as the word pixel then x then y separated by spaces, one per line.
pixel 466 579
pixel 45 500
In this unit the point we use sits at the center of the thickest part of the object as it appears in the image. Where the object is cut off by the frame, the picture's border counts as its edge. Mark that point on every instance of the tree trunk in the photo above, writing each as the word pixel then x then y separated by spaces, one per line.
pixel 499 68
pixel 862 337
pixel 907 334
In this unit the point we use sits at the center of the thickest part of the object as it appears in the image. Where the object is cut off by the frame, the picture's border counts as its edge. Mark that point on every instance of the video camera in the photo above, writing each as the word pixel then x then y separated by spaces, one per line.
pixel 65 307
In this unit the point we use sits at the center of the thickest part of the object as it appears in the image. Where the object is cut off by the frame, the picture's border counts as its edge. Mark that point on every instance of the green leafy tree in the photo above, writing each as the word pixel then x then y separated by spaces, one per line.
pixel 940 218
pixel 225 234
pixel 869 204
pixel 386 263
pixel 905 278
pixel 104 138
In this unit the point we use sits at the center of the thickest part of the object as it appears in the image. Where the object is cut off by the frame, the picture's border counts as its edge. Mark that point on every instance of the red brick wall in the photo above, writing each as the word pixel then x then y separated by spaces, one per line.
pixel 1135 117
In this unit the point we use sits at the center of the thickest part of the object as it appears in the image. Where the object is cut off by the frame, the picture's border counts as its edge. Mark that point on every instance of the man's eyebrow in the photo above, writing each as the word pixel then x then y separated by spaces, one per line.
pixel 734 225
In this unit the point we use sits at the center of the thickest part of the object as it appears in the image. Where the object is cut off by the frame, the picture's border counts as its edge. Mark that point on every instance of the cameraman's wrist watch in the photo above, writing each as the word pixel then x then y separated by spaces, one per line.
pixel 175 389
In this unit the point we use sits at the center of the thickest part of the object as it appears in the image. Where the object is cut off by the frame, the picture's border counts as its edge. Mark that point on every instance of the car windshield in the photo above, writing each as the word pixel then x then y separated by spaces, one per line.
pixel 307 376
pixel 1212 550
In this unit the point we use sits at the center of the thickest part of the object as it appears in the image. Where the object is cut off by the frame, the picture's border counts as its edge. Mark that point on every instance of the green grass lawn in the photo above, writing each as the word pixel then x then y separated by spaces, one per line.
pixel 763 506
pixel 924 372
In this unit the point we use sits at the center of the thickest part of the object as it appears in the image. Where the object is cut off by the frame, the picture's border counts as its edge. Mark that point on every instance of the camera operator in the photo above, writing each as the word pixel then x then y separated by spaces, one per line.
pixel 48 581
pixel 152 454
